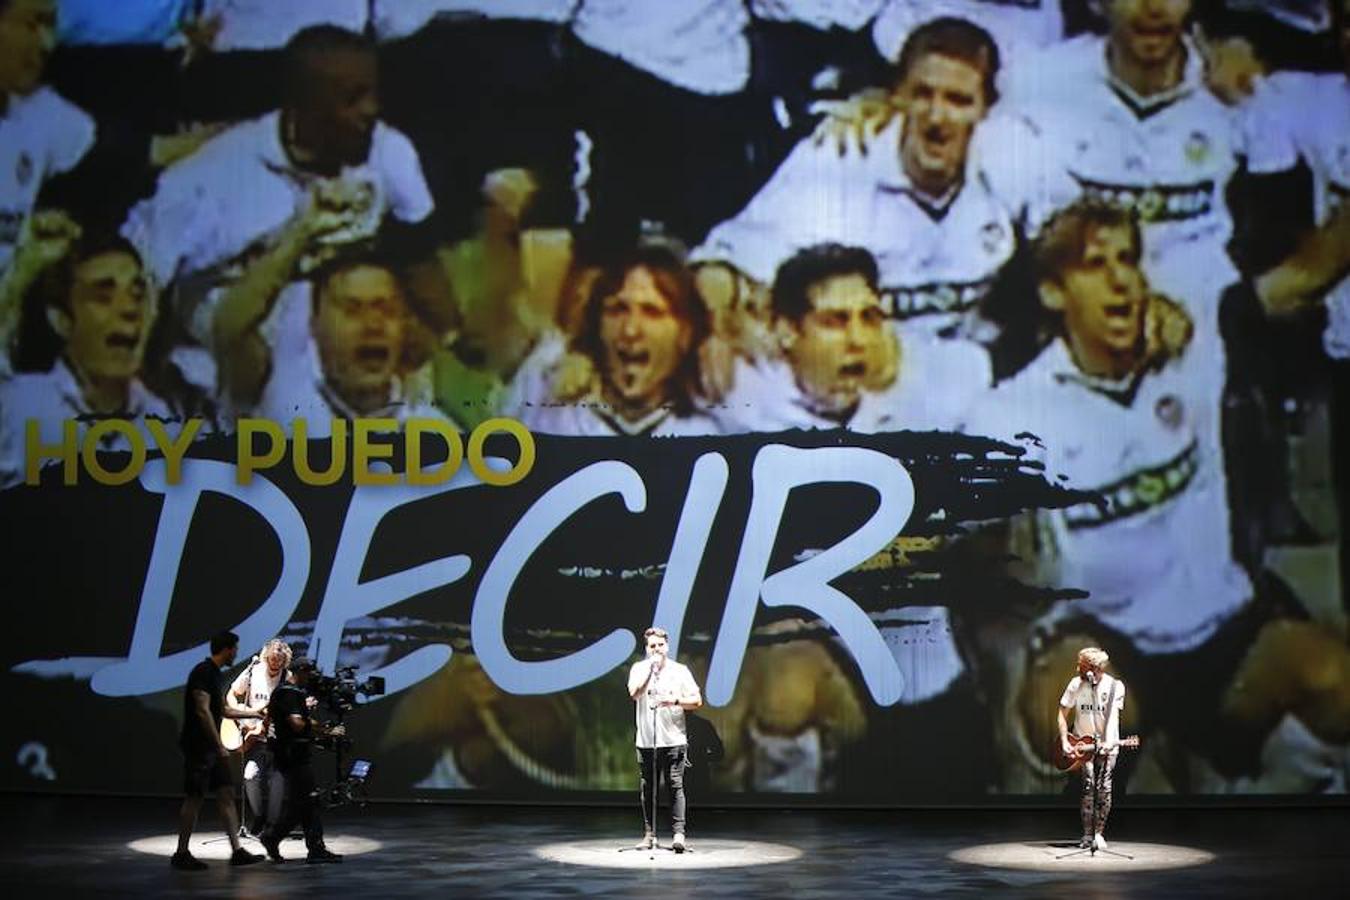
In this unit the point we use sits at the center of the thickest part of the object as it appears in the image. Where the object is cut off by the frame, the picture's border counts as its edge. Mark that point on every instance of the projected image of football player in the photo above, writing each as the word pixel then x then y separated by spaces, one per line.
pixel 99 313
pixel 643 326
pixel 1166 596
pixel 42 135
pixel 843 364
pixel 268 201
pixel 1135 123
pixel 939 206
pixel 360 330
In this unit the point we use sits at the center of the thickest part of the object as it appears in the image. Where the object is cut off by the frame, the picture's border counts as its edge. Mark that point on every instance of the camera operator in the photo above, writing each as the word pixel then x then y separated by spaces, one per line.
pixel 292 747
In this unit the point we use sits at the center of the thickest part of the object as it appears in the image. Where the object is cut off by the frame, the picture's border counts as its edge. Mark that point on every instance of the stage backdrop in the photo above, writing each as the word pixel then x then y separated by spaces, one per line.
pixel 880 596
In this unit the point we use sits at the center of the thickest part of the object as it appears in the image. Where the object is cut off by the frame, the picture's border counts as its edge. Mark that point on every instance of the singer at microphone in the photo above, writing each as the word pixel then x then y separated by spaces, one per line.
pixel 662 690
pixel 1095 699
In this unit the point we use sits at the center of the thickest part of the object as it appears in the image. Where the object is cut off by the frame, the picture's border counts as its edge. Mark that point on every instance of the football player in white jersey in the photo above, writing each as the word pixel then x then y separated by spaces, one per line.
pixel 100 309
pixel 231 212
pixel 643 326
pixel 361 331
pixel 941 215
pixel 41 135
pixel 1154 553
pixel 843 365
pixel 1134 123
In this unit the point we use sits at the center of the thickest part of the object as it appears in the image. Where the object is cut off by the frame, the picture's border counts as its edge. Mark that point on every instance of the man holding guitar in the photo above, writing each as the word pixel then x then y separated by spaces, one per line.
pixel 1096 700
pixel 253 690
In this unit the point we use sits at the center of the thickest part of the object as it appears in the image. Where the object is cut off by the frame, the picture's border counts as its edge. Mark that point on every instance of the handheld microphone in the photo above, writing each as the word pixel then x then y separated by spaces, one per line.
pixel 1092 677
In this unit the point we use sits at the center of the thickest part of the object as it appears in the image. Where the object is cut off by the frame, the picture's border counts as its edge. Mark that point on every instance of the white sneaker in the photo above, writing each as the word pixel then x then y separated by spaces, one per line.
pixel 678 844
pixel 1099 842
pixel 646 842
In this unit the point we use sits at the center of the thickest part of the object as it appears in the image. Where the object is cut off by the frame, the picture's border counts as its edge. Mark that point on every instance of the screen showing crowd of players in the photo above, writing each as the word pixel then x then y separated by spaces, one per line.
pixel 1114 225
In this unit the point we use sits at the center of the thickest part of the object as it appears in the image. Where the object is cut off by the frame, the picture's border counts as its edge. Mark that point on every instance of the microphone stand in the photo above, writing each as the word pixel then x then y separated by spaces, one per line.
pixel 656 845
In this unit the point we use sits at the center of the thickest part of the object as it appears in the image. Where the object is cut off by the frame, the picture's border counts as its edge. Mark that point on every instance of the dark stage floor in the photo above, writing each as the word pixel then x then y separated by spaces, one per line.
pixel 71 847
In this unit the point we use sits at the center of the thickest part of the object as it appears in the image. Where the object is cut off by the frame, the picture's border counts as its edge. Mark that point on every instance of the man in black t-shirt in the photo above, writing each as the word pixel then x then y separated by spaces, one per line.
pixel 292 745
pixel 204 756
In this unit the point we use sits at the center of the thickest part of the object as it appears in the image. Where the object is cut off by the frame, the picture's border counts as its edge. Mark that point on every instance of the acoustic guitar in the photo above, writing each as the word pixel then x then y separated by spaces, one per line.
pixel 242 738
pixel 1082 746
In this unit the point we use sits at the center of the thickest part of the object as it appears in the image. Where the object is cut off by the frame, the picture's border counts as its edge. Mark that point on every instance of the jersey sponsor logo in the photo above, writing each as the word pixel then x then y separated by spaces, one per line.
pixel 936 297
pixel 1138 492
pixel 1155 202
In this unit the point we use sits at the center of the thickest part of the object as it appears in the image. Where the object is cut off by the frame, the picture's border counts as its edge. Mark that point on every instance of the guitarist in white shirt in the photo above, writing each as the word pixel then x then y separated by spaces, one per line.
pixel 1096 699
pixel 253 690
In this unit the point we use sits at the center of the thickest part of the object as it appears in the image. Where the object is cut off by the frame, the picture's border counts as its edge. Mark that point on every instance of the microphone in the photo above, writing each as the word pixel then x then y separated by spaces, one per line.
pixel 1092 677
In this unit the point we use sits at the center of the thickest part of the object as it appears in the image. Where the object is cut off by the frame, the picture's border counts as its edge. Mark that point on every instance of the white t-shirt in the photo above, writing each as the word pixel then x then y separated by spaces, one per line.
pixel 51 398
pixel 394 19
pixel 672 682
pixel 1169 157
pixel 1095 711
pixel 41 135
pixel 699 45
pixel 935 263
pixel 270 24
pixel 1020 28
pixel 1157 559
pixel 1310 118
pixel 257 686
pixel 215 211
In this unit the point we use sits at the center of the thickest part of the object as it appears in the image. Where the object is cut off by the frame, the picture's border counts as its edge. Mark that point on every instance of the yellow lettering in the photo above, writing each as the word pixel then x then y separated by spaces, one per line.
pixel 300 454
pixel 412 451
pixel 173 449
pixel 36 451
pixel 248 460
pixel 363 451
pixel 95 435
pixel 524 440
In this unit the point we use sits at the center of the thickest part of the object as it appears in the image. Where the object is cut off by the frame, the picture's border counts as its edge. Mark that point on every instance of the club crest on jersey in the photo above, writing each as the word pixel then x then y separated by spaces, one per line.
pixel 1197 147
pixel 23 169
pixel 1170 411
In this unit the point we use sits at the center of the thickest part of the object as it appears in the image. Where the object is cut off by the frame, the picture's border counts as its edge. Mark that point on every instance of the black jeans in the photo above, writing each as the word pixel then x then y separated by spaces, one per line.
pixel 298 807
pixel 669 761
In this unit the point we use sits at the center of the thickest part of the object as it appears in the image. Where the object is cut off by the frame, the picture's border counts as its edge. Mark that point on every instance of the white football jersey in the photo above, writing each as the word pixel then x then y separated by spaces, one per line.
pixel 1168 157
pixel 698 45
pixel 41 135
pixel 1309 117
pixel 936 262
pixel 1155 554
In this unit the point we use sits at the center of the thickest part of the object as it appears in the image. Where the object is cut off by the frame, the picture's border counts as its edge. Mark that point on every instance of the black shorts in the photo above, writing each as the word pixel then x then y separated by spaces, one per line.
pixel 204 770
